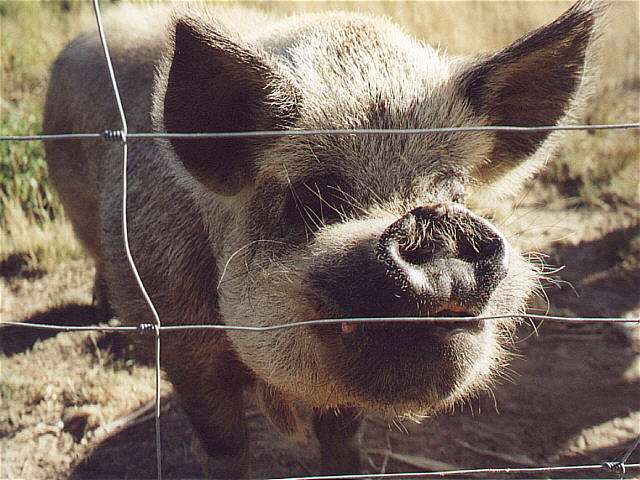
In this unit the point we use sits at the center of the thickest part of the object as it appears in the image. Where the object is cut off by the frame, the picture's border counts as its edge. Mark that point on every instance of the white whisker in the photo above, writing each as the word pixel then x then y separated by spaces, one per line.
pixel 244 247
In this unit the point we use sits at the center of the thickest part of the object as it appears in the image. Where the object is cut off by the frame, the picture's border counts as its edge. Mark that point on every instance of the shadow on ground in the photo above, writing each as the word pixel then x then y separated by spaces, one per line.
pixel 131 453
pixel 19 339
pixel 16 339
pixel 19 265
pixel 605 274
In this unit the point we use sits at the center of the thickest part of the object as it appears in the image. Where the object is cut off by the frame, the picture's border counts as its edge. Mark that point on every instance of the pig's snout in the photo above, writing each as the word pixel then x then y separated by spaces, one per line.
pixel 445 257
pixel 436 260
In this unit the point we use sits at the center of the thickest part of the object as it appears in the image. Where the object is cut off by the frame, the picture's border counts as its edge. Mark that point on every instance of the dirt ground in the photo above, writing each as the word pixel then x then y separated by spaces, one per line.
pixel 74 405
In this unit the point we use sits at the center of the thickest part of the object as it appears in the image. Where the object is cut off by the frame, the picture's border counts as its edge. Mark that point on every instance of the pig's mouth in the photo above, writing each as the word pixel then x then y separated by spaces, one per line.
pixel 443 328
pixel 417 340
pixel 392 362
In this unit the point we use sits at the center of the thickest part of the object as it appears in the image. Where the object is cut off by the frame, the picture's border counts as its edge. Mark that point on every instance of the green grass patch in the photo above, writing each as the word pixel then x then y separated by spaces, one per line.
pixel 31 35
pixel 23 170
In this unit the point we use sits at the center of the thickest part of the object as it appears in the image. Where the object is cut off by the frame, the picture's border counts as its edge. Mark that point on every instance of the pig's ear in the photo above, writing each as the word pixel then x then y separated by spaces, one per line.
pixel 538 80
pixel 211 83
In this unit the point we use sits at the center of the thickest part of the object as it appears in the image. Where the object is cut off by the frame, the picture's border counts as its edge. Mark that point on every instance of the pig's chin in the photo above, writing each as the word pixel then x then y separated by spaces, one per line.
pixel 407 368
pixel 391 368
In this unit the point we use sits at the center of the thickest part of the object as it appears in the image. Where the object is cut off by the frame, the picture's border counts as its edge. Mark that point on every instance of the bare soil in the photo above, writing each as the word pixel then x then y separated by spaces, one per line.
pixel 74 405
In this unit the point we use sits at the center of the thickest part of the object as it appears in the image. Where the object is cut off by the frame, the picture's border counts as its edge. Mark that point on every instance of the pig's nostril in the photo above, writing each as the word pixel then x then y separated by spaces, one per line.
pixel 496 251
pixel 441 252
pixel 417 255
pixel 474 249
pixel 490 253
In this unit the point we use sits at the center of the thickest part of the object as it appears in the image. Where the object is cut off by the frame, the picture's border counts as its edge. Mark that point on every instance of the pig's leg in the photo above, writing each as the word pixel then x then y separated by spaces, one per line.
pixel 101 296
pixel 215 405
pixel 339 438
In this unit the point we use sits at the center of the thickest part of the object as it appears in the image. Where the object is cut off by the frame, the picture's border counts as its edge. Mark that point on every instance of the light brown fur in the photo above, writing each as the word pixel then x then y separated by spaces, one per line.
pixel 198 209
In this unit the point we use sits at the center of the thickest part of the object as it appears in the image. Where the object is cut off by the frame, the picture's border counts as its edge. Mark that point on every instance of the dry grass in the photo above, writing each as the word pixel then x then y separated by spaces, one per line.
pixel 38 245
pixel 31 34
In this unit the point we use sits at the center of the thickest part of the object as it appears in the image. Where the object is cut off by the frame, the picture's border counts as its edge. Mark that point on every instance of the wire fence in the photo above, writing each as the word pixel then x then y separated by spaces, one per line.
pixel 122 135
pixel 618 466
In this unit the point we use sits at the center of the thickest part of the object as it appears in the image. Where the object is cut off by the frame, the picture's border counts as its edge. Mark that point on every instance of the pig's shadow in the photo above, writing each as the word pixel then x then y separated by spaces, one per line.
pixel 605 273
pixel 132 452
pixel 17 339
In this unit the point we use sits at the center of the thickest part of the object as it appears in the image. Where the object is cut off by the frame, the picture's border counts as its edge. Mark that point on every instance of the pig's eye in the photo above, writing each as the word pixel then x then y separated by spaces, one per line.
pixel 311 206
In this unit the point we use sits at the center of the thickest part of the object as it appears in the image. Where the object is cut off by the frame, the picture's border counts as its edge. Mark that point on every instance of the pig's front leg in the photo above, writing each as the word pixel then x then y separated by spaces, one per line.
pixel 215 405
pixel 339 435
pixel 101 295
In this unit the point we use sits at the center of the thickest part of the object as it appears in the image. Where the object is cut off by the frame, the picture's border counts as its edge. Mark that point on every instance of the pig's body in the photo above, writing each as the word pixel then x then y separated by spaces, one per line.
pixel 199 208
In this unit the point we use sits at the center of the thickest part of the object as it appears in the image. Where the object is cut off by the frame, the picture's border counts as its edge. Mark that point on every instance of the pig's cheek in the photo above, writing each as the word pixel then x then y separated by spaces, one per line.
pixel 515 290
pixel 281 357
pixel 479 367
pixel 487 343
pixel 285 359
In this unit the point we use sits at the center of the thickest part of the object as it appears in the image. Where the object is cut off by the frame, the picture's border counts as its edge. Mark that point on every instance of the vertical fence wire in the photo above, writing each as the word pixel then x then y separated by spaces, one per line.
pixel 125 232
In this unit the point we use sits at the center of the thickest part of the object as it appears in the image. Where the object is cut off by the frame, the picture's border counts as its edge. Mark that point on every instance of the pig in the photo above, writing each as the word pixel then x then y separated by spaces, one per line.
pixel 266 231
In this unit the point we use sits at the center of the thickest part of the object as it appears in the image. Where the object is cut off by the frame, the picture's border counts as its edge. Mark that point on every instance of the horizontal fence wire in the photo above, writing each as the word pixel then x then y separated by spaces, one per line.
pixel 119 134
pixel 145 327
pixel 610 467
pixel 619 466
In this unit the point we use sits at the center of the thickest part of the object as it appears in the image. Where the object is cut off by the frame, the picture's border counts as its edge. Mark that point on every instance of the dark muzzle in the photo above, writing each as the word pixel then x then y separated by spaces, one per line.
pixel 444 257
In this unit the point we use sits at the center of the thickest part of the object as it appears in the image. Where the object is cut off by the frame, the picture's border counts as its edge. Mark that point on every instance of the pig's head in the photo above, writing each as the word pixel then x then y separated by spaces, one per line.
pixel 341 226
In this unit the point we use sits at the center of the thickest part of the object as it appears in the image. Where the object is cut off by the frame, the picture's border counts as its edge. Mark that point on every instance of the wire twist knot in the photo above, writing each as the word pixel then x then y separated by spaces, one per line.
pixel 146 328
pixel 114 135
pixel 615 467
